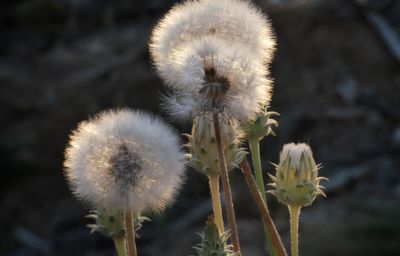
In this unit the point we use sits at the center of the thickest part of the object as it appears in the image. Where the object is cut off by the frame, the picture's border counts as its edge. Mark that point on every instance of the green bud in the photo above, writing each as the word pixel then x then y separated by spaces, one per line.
pixel 296 182
pixel 213 243
pixel 202 144
pixel 261 126
pixel 109 223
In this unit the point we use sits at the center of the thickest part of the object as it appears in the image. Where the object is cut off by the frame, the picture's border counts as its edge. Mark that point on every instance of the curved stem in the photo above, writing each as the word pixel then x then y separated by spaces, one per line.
pixel 226 186
pixel 262 208
pixel 294 212
pixel 216 201
pixel 256 158
pixel 130 233
pixel 119 243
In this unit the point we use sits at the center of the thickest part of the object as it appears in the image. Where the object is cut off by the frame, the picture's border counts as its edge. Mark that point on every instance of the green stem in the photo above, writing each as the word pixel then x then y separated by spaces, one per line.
pixel 294 212
pixel 256 158
pixel 255 155
pixel 119 243
pixel 216 201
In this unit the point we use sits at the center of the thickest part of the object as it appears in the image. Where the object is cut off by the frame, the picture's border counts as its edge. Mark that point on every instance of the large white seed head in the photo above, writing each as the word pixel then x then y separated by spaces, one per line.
pixel 124 160
pixel 230 39
pixel 231 20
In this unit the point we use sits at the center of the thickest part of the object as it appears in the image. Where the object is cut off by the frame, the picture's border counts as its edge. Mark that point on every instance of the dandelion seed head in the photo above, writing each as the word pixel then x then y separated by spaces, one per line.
pixel 230 20
pixel 124 159
pixel 210 65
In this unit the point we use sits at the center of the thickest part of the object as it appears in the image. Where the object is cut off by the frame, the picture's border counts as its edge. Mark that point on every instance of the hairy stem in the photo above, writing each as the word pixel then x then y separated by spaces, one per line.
pixel 262 208
pixel 120 244
pixel 256 158
pixel 294 212
pixel 226 186
pixel 130 233
pixel 216 201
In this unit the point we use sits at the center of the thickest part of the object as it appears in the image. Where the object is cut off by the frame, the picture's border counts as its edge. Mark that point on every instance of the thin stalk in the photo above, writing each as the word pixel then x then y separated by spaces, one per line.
pixel 262 208
pixel 130 233
pixel 225 184
pixel 216 201
pixel 294 212
pixel 120 244
pixel 256 158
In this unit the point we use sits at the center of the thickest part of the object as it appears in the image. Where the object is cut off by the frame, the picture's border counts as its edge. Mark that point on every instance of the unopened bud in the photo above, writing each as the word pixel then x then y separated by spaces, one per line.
pixel 109 223
pixel 296 182
pixel 203 144
pixel 214 243
pixel 260 127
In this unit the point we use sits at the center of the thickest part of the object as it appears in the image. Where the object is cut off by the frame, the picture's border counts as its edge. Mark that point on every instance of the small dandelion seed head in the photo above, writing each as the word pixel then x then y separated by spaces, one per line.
pixel 124 159
pixel 296 182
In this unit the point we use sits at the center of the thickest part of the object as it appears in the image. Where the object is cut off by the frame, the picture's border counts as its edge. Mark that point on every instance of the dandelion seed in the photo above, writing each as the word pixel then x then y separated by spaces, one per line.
pixel 124 160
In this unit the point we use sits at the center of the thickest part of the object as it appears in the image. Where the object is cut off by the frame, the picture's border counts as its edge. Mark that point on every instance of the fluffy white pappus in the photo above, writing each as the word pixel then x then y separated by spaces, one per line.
pixel 231 20
pixel 125 160
pixel 178 106
pixel 248 88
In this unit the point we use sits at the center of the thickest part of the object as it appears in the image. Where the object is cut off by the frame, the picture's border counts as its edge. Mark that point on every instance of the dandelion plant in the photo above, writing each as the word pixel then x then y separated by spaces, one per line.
pixel 124 161
pixel 212 55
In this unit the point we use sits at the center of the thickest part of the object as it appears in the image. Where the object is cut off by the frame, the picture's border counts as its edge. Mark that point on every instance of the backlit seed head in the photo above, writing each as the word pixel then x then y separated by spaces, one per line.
pixel 208 73
pixel 233 21
pixel 296 182
pixel 202 144
pixel 214 54
pixel 124 160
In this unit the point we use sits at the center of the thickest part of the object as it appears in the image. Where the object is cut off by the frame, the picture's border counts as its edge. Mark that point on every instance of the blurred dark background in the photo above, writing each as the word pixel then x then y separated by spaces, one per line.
pixel 337 87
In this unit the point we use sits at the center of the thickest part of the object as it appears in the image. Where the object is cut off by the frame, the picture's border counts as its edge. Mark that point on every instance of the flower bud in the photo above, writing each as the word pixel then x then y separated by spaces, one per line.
pixel 213 242
pixel 108 222
pixel 203 145
pixel 260 127
pixel 296 182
